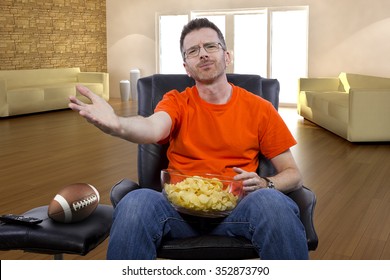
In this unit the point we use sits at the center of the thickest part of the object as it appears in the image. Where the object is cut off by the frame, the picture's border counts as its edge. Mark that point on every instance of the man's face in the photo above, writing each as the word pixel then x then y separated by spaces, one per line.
pixel 207 66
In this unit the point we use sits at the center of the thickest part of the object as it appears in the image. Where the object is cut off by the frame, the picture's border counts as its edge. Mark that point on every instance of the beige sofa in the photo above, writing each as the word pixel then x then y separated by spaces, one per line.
pixel 38 90
pixel 355 107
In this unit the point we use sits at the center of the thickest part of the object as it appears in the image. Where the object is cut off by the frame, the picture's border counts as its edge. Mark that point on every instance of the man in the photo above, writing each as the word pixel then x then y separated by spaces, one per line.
pixel 213 126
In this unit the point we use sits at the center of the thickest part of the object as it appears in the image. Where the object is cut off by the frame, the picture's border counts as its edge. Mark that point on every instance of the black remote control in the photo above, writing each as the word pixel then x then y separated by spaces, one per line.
pixel 19 219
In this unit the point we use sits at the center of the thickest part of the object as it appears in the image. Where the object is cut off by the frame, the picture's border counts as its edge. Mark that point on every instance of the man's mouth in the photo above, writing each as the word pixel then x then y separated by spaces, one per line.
pixel 205 64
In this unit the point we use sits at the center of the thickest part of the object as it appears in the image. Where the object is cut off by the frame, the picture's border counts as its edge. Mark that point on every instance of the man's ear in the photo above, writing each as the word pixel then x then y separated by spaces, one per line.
pixel 228 57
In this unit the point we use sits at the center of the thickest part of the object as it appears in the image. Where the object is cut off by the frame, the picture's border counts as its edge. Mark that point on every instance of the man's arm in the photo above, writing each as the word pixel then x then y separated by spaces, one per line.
pixel 135 129
pixel 288 177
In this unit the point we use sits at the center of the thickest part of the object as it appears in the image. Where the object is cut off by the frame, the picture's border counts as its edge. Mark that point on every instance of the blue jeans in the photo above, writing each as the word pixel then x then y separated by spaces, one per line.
pixel 267 217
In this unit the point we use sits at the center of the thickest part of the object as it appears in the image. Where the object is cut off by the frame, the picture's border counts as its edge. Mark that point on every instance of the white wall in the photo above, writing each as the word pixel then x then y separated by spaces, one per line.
pixel 344 35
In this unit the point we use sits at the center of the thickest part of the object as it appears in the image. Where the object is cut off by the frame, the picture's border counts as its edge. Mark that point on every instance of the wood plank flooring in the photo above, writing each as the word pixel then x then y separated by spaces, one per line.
pixel 41 153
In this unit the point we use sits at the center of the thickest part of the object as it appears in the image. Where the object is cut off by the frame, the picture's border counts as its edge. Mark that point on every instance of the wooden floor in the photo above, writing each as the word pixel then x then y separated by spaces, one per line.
pixel 41 153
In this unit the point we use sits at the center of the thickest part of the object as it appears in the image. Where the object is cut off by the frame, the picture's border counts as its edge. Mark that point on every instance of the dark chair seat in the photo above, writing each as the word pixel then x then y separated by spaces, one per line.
pixel 207 247
pixel 54 238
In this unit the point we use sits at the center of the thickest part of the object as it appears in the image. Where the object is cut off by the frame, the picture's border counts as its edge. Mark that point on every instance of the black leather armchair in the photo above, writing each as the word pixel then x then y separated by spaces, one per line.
pixel 152 159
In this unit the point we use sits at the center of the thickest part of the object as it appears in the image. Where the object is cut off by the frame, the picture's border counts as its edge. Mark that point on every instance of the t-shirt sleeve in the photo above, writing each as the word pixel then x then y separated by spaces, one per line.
pixel 275 138
pixel 170 104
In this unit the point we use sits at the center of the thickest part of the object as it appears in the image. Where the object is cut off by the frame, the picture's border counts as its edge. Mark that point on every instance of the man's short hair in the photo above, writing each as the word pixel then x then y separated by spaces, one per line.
pixel 197 24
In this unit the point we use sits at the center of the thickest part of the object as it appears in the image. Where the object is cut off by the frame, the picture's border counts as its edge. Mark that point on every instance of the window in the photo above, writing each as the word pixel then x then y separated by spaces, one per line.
pixel 170 60
pixel 250 52
pixel 288 58
pixel 274 45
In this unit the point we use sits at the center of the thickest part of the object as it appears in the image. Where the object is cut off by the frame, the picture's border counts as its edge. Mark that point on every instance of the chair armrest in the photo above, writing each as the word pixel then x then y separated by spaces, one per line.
pixel 120 189
pixel 306 201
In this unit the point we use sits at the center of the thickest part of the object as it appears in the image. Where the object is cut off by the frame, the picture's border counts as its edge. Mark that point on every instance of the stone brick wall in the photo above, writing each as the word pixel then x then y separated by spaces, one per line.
pixel 53 34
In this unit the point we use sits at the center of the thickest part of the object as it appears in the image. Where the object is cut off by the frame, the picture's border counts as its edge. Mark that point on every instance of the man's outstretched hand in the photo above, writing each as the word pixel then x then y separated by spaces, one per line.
pixel 99 112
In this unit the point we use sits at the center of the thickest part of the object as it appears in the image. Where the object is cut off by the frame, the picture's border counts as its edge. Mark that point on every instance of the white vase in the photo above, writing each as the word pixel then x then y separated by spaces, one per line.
pixel 134 76
pixel 125 90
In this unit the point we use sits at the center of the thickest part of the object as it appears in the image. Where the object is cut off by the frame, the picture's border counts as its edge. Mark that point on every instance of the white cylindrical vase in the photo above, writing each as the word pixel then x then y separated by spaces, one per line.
pixel 125 90
pixel 134 76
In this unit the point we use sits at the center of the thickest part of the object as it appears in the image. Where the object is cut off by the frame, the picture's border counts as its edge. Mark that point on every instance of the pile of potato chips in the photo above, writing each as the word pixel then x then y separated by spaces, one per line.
pixel 201 194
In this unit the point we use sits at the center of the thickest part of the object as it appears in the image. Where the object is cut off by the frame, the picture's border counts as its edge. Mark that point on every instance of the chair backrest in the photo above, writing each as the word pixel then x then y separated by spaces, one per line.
pixel 152 157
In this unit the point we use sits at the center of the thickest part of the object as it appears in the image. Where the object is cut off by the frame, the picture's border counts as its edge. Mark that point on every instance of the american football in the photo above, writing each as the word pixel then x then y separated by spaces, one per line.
pixel 74 203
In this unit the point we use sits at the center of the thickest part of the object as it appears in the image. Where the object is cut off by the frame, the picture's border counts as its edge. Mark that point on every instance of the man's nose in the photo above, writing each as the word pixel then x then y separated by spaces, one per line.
pixel 203 53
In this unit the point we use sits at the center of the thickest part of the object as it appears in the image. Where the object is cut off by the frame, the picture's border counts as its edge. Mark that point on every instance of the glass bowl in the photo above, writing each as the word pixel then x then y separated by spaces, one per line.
pixel 204 195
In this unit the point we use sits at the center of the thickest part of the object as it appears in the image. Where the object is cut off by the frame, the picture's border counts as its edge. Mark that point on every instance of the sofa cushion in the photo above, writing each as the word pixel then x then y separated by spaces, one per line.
pixel 23 100
pixel 320 84
pixel 338 106
pixel 59 91
pixel 333 104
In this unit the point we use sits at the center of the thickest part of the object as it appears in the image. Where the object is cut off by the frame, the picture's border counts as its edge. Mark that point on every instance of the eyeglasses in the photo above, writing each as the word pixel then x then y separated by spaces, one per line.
pixel 208 47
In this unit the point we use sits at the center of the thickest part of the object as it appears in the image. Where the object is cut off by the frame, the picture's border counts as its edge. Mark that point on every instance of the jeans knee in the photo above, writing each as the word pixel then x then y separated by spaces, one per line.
pixel 271 204
pixel 136 204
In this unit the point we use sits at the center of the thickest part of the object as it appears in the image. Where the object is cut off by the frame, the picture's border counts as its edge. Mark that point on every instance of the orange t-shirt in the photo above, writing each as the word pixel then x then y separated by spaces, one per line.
pixel 215 138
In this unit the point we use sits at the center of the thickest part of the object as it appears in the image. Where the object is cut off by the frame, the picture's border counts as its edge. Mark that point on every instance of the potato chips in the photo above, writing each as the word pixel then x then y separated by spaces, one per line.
pixel 201 194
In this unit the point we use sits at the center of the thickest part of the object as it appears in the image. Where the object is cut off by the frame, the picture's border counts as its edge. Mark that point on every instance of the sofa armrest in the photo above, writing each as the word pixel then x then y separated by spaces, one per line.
pixel 90 77
pixel 319 84
pixel 95 77
pixel 369 115
pixel 3 88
